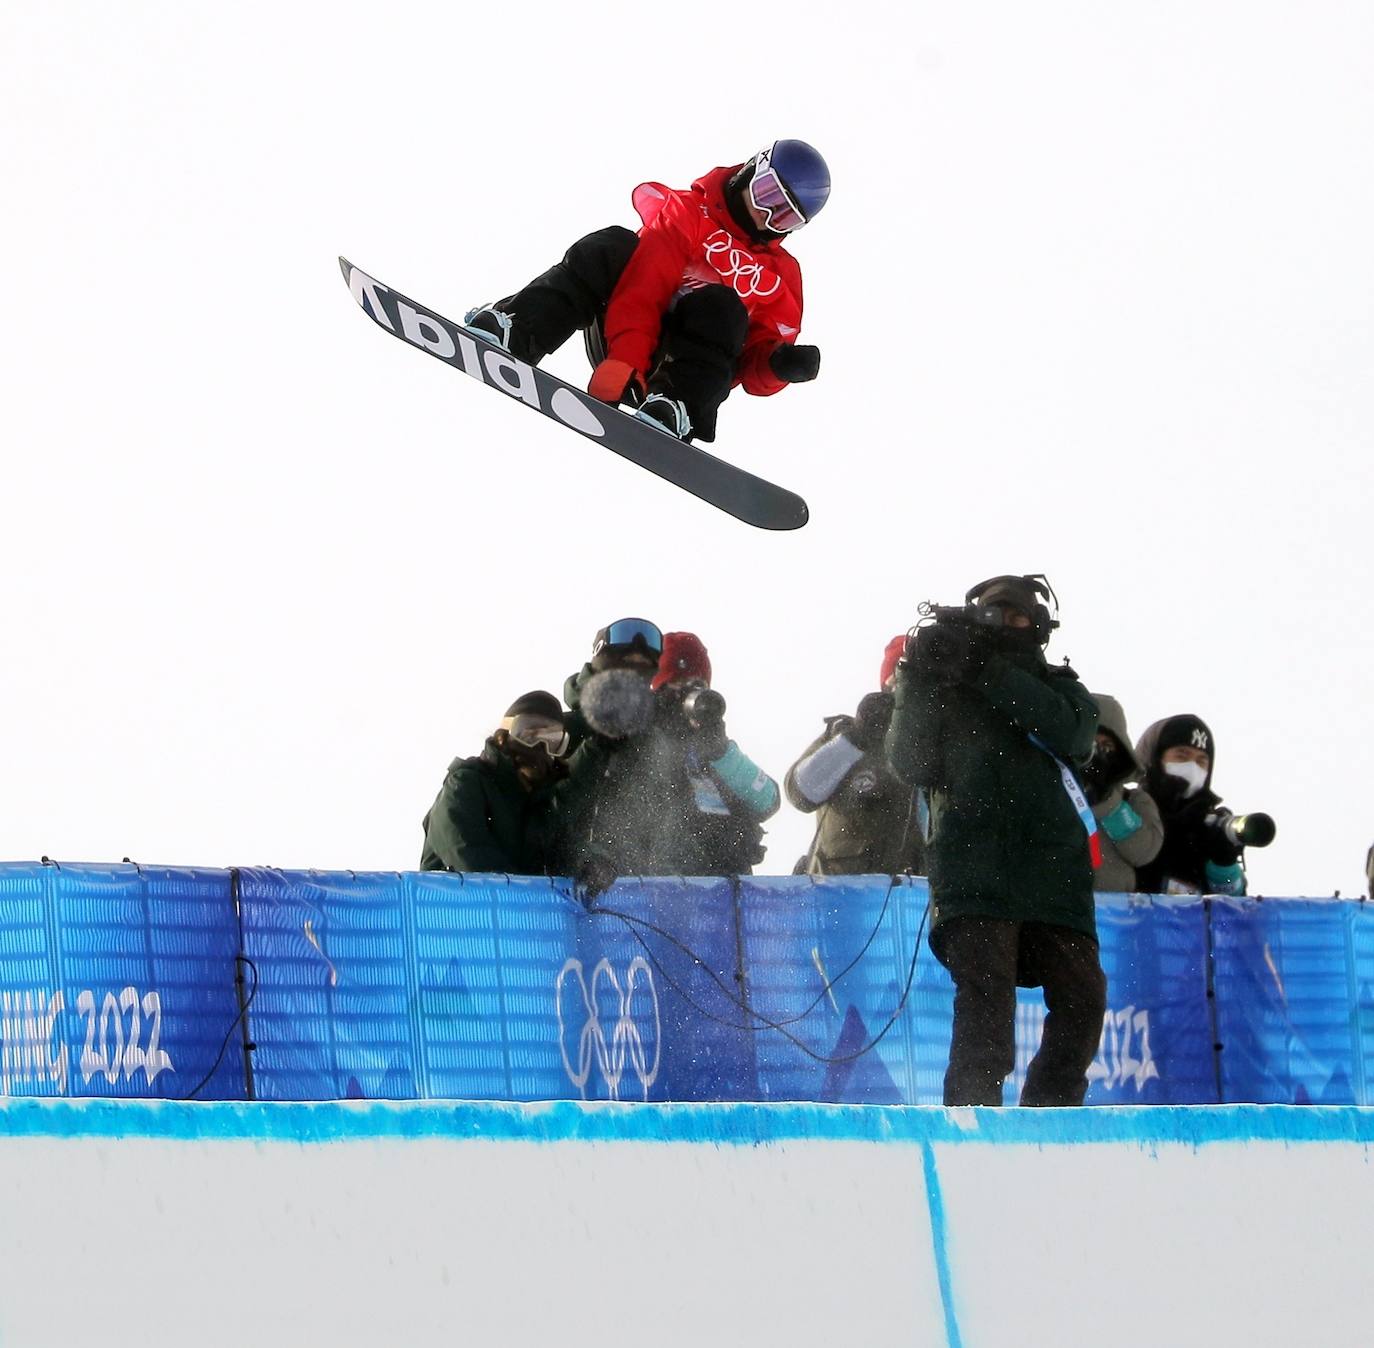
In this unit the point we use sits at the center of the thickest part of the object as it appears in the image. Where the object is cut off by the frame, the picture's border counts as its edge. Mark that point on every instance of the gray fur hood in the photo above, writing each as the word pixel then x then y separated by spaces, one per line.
pixel 1111 716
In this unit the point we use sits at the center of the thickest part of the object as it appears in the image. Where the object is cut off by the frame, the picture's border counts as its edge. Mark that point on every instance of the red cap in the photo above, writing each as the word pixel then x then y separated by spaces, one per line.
pixel 684 657
pixel 891 655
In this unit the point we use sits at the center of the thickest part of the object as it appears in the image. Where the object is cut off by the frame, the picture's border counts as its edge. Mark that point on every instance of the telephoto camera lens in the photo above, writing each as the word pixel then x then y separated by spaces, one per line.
pixel 1245 830
pixel 1252 830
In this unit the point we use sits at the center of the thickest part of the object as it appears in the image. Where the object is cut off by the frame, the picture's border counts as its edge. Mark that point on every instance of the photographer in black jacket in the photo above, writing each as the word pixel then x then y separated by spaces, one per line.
pixel 1204 843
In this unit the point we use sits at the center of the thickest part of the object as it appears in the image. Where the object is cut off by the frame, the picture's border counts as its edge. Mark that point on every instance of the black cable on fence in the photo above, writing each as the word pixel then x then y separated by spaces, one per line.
pixel 632 923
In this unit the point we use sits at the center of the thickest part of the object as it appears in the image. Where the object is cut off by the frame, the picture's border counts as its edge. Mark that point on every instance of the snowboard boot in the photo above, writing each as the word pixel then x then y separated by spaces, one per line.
pixel 666 414
pixel 490 323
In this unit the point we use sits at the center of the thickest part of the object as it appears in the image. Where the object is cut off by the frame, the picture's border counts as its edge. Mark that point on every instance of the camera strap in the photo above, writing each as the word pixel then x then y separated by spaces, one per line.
pixel 1080 801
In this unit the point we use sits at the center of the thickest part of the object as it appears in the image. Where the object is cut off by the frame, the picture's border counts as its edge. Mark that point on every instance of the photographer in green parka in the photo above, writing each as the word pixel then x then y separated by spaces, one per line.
pixel 493 812
pixel 991 734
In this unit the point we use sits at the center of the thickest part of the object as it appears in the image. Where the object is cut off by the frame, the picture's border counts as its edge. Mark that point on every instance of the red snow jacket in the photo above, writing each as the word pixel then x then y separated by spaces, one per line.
pixel 690 239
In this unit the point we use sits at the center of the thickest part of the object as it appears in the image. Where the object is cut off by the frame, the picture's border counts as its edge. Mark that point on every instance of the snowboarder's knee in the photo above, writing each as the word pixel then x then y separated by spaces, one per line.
pixel 714 311
pixel 604 251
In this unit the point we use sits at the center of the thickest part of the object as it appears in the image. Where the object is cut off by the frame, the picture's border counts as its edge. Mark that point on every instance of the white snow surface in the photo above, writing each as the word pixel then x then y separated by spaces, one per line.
pixel 804 1242
pixel 1094 297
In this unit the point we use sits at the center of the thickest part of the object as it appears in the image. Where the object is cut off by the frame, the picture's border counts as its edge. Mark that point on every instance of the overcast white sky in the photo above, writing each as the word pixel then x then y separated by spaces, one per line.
pixel 1094 292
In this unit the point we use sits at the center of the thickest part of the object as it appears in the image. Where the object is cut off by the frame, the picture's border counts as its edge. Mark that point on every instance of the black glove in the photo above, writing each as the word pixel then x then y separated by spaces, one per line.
pixel 705 712
pixel 795 364
pixel 594 875
pixel 948 653
pixel 871 721
pixel 1216 846
pixel 710 740
pixel 1102 773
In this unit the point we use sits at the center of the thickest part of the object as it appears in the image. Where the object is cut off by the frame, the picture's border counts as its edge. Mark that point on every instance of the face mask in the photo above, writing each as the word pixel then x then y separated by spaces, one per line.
pixel 1023 639
pixel 1194 774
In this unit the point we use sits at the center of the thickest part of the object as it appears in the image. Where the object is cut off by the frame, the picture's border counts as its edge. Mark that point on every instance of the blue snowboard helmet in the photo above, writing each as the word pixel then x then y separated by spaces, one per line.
pixel 788 183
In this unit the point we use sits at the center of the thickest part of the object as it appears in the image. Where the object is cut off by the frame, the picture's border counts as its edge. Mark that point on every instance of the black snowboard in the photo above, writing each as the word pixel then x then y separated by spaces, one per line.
pixel 749 498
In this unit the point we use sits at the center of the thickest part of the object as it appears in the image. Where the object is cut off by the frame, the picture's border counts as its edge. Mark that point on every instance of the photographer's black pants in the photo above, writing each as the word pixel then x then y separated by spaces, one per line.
pixel 700 344
pixel 988 959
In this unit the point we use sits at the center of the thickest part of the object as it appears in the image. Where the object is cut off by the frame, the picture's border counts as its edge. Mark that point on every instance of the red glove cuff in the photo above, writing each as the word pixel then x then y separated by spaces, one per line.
pixel 612 378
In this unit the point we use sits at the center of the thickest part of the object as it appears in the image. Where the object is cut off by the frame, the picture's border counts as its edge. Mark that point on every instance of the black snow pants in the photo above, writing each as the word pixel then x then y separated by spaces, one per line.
pixel 988 959
pixel 699 346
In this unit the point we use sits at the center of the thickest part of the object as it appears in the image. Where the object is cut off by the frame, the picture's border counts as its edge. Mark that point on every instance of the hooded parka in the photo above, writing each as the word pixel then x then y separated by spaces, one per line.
pixel 1128 819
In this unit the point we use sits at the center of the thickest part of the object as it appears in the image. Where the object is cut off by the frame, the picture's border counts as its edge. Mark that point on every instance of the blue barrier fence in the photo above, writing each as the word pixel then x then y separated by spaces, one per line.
pixel 117 980
pixel 153 982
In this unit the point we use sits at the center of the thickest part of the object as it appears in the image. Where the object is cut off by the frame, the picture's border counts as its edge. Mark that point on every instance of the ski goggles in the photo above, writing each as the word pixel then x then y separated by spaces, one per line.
pixel 769 196
pixel 628 631
pixel 532 731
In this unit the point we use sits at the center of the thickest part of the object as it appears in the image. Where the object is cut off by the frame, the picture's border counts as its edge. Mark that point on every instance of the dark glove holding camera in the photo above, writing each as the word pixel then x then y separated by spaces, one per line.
pixel 1226 835
pixel 1213 840
pixel 1105 772
pixel 795 364
pixel 871 721
pixel 947 653
pixel 705 712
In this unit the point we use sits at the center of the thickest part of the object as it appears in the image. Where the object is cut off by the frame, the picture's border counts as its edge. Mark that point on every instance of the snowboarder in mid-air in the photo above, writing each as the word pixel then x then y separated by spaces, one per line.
pixel 704 297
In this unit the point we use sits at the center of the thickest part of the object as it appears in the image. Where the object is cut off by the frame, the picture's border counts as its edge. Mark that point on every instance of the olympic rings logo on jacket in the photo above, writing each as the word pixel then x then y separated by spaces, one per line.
pixel 739 267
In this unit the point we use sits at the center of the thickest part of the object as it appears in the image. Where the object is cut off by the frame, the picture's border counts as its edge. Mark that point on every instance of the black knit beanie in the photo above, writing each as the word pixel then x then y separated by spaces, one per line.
pixel 1188 730
pixel 538 703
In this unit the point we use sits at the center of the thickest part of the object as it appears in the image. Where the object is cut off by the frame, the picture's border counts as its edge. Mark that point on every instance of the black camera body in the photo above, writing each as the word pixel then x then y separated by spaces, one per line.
pixel 964 615
pixel 952 639
pixel 704 707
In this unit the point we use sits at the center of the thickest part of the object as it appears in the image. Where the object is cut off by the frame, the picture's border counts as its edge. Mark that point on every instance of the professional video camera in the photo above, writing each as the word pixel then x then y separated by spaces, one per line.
pixel 1243 830
pixel 950 640
pixel 948 637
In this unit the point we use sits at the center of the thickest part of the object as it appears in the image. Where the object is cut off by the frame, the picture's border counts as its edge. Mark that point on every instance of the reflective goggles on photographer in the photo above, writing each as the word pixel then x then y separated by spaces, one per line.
pixel 771 197
pixel 628 632
pixel 532 731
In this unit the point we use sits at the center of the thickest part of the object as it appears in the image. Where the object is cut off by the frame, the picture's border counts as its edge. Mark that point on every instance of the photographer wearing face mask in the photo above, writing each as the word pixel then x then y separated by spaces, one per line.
pixel 1204 843
pixel 865 814
pixel 990 733
pixel 1131 832
pixel 492 813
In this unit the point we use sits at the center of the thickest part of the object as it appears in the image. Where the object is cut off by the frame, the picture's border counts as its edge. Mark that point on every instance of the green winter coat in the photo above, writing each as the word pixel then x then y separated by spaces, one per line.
pixel 484 819
pixel 1005 839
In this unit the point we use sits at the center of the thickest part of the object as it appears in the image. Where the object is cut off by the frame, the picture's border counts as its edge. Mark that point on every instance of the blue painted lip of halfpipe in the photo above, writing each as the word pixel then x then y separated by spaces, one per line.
pixel 716 1124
